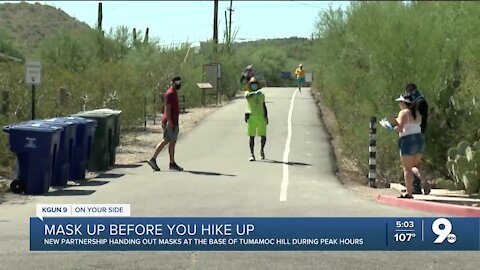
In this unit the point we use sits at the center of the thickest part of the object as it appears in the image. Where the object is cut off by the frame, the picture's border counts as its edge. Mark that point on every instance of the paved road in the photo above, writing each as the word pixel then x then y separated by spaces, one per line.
pixel 220 181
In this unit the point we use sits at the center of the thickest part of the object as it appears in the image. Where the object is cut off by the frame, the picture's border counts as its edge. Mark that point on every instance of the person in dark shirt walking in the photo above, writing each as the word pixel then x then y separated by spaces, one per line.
pixel 421 105
pixel 419 101
pixel 169 126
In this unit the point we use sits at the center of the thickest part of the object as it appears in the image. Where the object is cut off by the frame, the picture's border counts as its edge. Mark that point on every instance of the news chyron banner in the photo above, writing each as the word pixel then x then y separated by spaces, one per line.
pixel 111 228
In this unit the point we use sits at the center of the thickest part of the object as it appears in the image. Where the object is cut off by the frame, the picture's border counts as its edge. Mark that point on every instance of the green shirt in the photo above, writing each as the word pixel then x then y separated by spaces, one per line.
pixel 255 102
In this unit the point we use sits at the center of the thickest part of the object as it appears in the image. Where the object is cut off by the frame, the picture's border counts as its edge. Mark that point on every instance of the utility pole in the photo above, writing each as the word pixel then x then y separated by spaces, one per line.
pixel 230 24
pixel 215 25
pixel 226 36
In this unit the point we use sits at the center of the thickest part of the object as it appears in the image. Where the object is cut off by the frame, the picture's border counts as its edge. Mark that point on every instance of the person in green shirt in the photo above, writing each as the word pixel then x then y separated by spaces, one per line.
pixel 256 117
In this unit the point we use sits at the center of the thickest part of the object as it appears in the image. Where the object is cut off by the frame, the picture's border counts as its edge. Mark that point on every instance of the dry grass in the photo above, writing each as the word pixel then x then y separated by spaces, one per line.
pixel 4 185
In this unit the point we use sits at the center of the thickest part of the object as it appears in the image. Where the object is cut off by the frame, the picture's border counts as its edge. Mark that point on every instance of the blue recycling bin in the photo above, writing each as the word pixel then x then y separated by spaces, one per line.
pixel 61 169
pixel 36 146
pixel 83 146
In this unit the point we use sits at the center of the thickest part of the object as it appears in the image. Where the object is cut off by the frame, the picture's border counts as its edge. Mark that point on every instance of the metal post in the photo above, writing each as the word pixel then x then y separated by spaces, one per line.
pixel 203 97
pixel 218 90
pixel 372 149
pixel 154 109
pixel 33 100
pixel 145 113
pixel 62 97
pixel 5 102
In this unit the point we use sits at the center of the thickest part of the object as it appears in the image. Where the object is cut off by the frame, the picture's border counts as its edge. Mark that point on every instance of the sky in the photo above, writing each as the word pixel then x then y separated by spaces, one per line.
pixel 174 22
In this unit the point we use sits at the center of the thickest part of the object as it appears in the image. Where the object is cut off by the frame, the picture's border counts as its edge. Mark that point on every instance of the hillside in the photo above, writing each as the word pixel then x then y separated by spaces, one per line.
pixel 28 24
pixel 295 50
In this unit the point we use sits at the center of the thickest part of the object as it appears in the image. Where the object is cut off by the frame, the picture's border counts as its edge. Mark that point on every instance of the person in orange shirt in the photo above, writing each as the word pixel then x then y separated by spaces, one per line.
pixel 300 74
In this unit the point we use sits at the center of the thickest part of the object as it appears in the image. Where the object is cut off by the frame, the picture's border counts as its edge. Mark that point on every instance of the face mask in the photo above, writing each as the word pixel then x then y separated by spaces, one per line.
pixel 254 87
pixel 178 86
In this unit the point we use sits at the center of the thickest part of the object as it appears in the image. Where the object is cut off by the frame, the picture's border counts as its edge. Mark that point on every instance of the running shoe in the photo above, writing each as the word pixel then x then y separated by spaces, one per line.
pixel 174 166
pixel 153 163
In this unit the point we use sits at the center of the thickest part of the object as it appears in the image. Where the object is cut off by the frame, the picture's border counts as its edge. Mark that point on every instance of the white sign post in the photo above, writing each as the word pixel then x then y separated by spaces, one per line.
pixel 308 77
pixel 33 72
pixel 33 77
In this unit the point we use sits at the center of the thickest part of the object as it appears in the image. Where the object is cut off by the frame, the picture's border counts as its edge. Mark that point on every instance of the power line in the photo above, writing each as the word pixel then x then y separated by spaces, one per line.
pixel 306 4
pixel 247 7
pixel 157 16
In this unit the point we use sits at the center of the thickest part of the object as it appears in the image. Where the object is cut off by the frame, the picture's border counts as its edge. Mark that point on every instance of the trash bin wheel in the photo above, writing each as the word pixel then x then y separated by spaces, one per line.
pixel 17 186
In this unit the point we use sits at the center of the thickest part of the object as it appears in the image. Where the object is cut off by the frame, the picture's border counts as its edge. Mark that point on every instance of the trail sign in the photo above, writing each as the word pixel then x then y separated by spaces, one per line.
pixel 33 72
pixel 308 77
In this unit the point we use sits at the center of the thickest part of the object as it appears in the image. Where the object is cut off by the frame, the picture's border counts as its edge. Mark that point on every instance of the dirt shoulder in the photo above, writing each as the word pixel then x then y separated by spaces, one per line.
pixel 348 174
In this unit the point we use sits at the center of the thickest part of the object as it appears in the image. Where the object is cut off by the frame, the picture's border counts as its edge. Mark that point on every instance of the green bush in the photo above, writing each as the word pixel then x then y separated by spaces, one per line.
pixel 370 51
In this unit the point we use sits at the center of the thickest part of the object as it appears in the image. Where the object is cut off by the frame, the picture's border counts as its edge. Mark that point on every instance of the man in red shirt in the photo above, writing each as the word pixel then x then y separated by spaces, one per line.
pixel 169 126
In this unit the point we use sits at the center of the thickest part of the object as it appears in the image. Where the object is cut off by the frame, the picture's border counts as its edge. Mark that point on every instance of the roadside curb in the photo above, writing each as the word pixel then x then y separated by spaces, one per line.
pixel 442 208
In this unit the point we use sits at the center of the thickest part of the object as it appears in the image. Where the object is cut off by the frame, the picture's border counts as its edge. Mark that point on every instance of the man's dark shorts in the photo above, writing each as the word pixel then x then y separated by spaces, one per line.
pixel 170 134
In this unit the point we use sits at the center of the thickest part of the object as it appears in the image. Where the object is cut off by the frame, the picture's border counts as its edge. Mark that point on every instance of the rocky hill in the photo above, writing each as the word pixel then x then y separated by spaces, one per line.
pixel 26 25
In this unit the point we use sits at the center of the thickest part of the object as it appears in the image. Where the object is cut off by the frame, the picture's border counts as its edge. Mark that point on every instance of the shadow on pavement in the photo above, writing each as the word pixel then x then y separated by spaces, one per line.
pixel 291 163
pixel 69 192
pixel 209 173
pixel 127 166
pixel 110 175
pixel 88 183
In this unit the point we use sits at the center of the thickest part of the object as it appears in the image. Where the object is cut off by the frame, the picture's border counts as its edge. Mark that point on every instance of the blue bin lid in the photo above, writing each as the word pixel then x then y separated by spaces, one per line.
pixel 58 122
pixel 36 126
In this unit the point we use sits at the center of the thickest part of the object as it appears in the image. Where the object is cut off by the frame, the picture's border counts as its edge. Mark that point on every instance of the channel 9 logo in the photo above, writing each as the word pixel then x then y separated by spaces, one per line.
pixel 442 227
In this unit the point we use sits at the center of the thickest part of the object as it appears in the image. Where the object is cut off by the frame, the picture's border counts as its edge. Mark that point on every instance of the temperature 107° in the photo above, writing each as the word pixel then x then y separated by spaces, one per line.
pixel 404 237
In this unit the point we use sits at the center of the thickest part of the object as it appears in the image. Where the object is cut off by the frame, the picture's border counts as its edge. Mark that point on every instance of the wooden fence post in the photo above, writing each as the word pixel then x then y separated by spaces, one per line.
pixel 5 102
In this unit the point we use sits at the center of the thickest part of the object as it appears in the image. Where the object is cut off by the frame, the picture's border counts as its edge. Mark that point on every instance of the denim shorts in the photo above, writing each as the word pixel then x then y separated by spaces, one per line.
pixel 412 144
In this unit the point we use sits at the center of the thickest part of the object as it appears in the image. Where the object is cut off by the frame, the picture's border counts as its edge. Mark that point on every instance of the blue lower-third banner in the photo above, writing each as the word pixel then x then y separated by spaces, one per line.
pixel 253 234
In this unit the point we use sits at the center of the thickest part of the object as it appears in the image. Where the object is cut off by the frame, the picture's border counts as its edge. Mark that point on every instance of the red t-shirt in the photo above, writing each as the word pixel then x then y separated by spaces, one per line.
pixel 170 97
